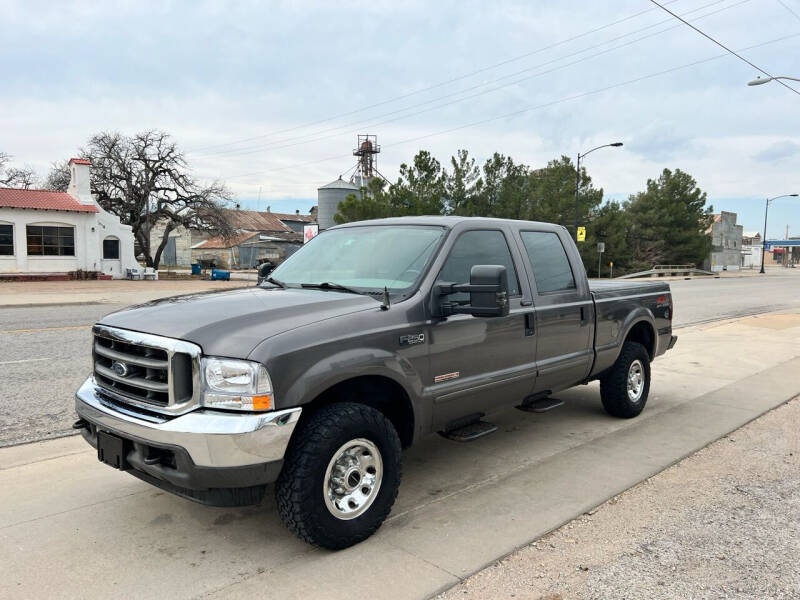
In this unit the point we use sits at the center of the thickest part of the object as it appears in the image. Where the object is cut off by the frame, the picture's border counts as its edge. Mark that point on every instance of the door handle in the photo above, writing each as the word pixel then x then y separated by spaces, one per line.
pixel 530 320
pixel 583 315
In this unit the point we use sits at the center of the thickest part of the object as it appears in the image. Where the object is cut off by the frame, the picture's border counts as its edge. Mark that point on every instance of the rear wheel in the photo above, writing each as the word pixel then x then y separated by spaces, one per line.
pixel 624 389
pixel 340 476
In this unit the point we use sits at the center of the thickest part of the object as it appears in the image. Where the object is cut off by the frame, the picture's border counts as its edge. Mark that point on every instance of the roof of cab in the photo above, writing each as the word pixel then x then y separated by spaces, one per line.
pixel 449 222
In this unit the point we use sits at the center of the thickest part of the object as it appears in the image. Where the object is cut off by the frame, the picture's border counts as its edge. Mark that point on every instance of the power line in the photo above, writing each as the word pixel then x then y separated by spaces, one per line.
pixel 723 46
pixel 525 110
pixel 315 136
pixel 436 85
pixel 791 10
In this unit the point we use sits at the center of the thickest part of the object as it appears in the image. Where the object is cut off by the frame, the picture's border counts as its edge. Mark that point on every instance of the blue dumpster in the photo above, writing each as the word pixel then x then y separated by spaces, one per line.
pixel 219 274
pixel 197 269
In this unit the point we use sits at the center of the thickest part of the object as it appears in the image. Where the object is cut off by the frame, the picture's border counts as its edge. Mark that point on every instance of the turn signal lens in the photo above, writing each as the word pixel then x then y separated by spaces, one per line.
pixel 262 402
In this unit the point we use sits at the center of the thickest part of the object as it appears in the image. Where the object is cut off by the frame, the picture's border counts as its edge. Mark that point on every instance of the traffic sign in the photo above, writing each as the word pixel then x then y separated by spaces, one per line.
pixel 581 234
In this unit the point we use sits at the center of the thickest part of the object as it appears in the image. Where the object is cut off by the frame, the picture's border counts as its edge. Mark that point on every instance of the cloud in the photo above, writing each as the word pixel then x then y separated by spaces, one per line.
pixel 778 151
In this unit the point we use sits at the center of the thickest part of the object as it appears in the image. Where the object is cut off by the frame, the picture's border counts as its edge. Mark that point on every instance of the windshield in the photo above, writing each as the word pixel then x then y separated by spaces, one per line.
pixel 366 258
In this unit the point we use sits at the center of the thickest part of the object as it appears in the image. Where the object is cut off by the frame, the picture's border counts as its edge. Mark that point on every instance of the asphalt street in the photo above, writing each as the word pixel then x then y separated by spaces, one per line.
pixel 46 350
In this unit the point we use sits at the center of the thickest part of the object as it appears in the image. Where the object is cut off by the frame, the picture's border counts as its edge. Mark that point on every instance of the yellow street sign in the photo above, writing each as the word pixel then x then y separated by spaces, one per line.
pixel 581 234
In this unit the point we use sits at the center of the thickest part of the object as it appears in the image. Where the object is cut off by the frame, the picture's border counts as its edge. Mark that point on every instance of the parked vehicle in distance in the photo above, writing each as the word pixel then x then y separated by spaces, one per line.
pixel 366 339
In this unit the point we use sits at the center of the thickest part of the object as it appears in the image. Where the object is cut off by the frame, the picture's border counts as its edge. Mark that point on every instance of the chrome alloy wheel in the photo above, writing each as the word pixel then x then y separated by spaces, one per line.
pixel 353 479
pixel 635 381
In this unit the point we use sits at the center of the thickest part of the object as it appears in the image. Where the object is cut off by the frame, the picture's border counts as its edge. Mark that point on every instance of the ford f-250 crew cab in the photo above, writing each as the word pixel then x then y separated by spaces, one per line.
pixel 369 337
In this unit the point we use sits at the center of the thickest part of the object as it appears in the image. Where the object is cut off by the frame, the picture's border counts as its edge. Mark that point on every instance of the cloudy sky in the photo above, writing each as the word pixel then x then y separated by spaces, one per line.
pixel 269 96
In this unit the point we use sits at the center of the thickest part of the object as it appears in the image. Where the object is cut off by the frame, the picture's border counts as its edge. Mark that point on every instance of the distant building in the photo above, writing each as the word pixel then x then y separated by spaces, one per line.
pixel 42 231
pixel 261 236
pixel 751 250
pixel 279 236
pixel 726 243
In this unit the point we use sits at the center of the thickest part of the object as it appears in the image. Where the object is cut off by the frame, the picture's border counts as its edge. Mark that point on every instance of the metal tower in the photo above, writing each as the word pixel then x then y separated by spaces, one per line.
pixel 367 153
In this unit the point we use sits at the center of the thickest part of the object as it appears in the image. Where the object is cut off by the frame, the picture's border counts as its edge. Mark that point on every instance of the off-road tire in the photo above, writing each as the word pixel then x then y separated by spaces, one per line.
pixel 299 491
pixel 614 384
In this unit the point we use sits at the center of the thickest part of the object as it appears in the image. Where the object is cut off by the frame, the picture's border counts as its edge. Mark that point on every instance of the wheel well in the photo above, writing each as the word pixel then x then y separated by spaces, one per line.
pixel 642 333
pixel 381 393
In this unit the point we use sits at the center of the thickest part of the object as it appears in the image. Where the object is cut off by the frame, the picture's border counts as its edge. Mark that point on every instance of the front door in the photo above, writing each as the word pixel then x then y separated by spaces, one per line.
pixel 478 363
pixel 564 312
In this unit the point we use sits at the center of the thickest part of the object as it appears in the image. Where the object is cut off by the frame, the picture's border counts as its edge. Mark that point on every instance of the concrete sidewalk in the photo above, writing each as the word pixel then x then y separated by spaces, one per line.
pixel 72 527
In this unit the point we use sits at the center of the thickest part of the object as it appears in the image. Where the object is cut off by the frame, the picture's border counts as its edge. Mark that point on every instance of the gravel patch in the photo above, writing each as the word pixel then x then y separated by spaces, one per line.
pixel 723 523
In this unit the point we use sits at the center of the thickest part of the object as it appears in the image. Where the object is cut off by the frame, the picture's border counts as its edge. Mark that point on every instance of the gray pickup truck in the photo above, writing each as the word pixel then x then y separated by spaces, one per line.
pixel 371 336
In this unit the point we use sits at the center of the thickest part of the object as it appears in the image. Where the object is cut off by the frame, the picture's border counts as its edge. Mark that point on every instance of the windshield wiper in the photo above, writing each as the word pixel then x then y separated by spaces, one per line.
pixel 329 285
pixel 280 284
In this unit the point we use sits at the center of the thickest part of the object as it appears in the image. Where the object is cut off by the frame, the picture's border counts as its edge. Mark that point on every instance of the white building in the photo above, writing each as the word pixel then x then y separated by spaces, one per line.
pixel 50 232
pixel 751 249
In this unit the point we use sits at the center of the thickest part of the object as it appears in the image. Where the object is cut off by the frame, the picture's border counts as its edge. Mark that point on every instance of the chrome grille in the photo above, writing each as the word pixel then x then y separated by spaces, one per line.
pixel 146 370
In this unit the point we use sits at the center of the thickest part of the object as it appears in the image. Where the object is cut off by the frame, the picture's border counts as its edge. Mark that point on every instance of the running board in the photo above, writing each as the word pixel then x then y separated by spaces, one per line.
pixel 541 405
pixel 470 432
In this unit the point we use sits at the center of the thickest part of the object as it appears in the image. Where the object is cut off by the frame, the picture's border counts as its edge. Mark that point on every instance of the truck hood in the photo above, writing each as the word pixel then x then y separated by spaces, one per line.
pixel 231 323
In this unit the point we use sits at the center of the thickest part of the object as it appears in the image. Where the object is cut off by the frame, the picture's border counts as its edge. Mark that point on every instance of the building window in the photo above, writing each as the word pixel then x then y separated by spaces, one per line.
pixel 6 240
pixel 111 248
pixel 50 240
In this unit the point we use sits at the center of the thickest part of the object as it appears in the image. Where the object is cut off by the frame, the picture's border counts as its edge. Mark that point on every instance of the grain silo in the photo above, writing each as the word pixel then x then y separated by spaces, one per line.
pixel 328 198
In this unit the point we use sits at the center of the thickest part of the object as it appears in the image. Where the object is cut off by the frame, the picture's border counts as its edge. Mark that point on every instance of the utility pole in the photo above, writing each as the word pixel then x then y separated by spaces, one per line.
pixel 578 179
pixel 764 241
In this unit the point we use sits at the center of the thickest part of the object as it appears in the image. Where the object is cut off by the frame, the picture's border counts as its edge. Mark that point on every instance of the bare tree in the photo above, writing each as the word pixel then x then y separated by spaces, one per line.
pixel 58 177
pixel 144 180
pixel 24 178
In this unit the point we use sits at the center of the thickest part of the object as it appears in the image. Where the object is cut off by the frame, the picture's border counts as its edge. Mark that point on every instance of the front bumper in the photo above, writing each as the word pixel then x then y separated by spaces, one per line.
pixel 202 449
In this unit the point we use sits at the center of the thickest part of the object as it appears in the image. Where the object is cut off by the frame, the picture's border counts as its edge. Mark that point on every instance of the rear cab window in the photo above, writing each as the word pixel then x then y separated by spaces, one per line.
pixel 552 271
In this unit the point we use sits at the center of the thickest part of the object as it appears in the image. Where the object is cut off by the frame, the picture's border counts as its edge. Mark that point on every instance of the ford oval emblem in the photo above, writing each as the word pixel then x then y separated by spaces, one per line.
pixel 120 368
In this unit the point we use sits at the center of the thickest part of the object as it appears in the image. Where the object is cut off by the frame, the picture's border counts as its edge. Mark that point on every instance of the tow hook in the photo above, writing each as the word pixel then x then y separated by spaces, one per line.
pixel 80 424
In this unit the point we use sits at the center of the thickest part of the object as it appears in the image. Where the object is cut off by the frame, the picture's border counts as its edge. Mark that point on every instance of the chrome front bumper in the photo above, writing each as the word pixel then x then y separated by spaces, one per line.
pixel 211 438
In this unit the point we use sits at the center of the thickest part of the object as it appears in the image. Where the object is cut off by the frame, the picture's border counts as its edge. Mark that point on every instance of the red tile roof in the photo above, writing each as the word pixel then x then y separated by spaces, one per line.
pixel 42 200
pixel 80 161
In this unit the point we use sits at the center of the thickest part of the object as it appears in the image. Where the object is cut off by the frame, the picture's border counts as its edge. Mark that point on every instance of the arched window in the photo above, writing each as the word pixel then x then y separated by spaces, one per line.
pixel 111 248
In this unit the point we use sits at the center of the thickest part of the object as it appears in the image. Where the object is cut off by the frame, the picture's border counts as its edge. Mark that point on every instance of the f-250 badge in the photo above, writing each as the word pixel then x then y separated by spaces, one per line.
pixel 411 339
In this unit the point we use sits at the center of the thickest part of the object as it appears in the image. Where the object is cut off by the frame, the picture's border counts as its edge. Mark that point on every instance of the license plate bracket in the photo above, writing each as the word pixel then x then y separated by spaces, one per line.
pixel 112 450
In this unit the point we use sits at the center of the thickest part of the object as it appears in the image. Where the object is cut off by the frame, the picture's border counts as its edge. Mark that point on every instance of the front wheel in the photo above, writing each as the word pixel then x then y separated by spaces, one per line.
pixel 340 476
pixel 624 389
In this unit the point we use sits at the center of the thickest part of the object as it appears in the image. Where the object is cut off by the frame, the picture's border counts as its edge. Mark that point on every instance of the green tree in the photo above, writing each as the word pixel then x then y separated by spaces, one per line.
pixel 372 202
pixel 462 184
pixel 419 190
pixel 668 221
pixel 609 224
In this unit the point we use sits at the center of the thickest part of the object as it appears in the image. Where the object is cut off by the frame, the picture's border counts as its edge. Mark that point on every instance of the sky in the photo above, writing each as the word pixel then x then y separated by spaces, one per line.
pixel 270 96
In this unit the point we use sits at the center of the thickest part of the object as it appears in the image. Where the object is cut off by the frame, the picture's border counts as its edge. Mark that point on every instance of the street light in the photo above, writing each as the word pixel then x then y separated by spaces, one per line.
pixel 759 81
pixel 766 212
pixel 578 177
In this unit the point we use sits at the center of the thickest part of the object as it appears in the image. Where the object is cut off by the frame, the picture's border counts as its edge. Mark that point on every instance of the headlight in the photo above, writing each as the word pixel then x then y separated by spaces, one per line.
pixel 236 384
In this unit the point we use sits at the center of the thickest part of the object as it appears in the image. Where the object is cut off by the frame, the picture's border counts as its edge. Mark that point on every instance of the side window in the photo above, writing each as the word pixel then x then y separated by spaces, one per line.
pixel 478 248
pixel 551 268
pixel 6 240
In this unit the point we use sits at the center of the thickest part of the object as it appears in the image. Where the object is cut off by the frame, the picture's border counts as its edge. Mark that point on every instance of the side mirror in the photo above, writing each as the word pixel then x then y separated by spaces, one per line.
pixel 488 293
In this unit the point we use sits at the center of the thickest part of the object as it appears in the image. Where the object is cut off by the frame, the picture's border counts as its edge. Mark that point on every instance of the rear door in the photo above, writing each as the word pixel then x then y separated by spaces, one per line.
pixel 480 363
pixel 564 309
